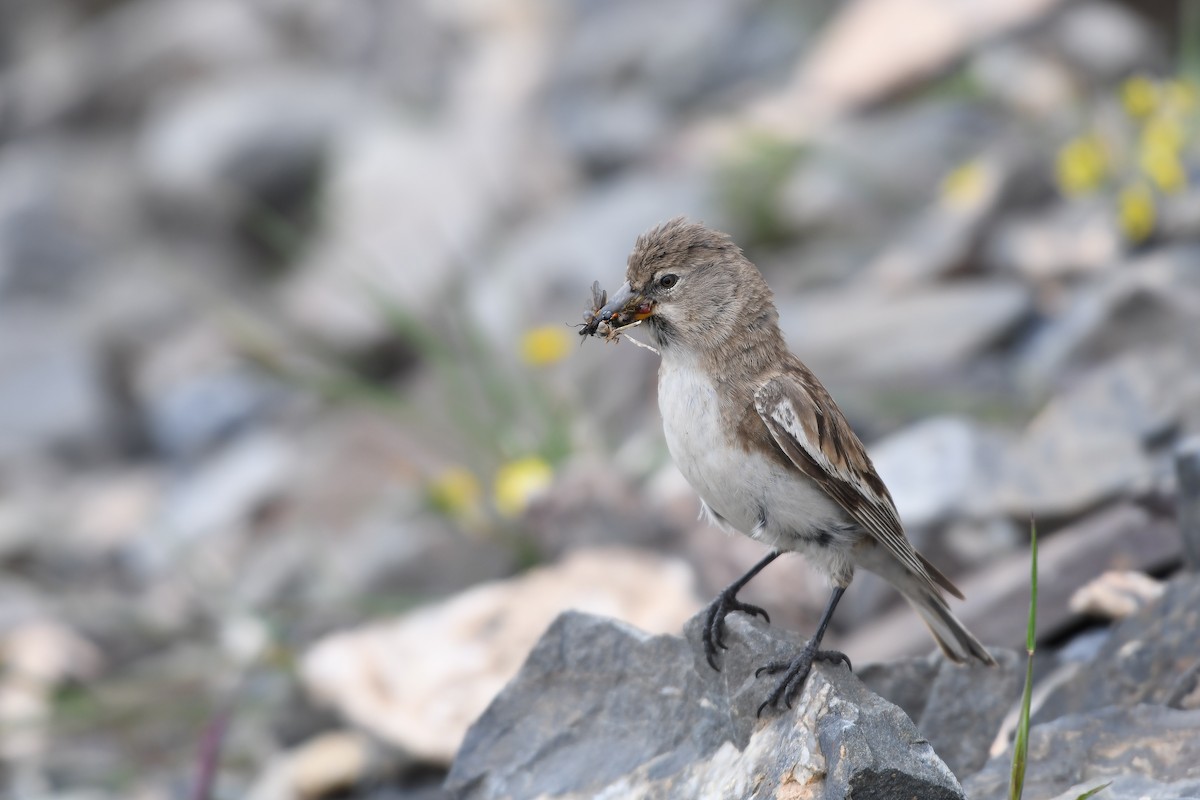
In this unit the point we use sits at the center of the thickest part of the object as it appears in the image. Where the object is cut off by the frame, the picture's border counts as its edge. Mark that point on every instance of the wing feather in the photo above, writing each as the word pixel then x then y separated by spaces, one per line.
pixel 810 429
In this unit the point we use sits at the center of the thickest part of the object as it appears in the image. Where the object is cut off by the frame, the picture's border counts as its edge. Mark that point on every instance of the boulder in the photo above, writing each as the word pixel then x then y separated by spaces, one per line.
pixel 1141 661
pixel 1149 752
pixel 603 709
pixel 958 709
pixel 878 334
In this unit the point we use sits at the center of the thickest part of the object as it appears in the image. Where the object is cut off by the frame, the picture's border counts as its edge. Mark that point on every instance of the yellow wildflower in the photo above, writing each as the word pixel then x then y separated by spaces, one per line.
pixel 456 492
pixel 1082 165
pixel 1159 150
pixel 1181 96
pixel 545 345
pixel 966 186
pixel 519 482
pixel 1136 212
pixel 1164 167
pixel 1140 96
pixel 1163 132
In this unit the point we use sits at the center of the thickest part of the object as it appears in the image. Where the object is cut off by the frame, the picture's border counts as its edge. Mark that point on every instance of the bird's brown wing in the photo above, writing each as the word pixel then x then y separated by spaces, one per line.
pixel 814 434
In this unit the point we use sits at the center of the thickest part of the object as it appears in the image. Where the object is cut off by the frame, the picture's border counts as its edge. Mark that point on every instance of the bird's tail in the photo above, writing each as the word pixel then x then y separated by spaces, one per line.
pixel 956 641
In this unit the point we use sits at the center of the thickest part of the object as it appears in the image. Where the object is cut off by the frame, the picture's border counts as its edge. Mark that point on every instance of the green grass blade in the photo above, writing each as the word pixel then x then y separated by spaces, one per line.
pixel 1031 627
pixel 1189 39
pixel 1093 792
pixel 1016 785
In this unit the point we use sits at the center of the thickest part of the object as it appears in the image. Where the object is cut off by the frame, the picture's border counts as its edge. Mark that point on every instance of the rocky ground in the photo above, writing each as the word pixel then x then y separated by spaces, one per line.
pixel 299 459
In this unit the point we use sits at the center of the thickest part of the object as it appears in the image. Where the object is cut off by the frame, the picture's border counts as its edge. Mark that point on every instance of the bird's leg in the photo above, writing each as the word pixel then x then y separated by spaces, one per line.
pixel 795 672
pixel 725 603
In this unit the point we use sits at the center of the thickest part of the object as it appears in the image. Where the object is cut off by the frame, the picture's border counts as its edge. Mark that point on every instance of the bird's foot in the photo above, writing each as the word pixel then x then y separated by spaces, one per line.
pixel 714 623
pixel 795 673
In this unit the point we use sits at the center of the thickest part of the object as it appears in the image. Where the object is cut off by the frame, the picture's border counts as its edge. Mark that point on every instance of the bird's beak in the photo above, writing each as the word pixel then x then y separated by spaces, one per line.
pixel 625 307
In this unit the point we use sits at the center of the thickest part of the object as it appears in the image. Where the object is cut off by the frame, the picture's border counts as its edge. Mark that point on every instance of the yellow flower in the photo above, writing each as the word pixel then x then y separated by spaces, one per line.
pixel 1082 165
pixel 1140 96
pixel 544 345
pixel 965 187
pixel 1159 153
pixel 456 492
pixel 1162 132
pixel 1164 168
pixel 519 482
pixel 1181 96
pixel 1136 212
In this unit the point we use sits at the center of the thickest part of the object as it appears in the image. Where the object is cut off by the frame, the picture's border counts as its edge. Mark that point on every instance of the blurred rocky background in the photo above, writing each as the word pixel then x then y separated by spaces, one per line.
pixel 299 455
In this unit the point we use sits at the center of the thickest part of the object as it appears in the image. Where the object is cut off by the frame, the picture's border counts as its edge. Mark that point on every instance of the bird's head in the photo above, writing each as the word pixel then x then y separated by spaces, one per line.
pixel 693 287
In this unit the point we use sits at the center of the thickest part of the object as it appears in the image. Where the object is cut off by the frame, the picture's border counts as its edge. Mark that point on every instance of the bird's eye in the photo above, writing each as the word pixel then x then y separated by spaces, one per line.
pixel 667 281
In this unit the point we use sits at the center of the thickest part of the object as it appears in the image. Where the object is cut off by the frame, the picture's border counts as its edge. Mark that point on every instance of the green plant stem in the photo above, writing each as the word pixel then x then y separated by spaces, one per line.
pixel 1016 785
pixel 1189 39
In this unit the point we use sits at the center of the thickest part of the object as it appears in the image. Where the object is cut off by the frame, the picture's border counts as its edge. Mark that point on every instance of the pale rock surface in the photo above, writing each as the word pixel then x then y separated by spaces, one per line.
pixel 1116 594
pixel 326 764
pixel 420 680
pixel 848 68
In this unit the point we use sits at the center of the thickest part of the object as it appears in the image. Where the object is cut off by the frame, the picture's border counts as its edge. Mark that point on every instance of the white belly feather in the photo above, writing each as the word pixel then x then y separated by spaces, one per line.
pixel 754 494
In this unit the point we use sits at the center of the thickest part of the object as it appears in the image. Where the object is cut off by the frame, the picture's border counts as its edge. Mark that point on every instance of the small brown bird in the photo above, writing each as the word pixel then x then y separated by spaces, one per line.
pixel 762 442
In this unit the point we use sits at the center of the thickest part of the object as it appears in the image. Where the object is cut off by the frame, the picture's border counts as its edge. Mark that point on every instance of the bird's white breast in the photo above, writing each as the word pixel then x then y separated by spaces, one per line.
pixel 743 487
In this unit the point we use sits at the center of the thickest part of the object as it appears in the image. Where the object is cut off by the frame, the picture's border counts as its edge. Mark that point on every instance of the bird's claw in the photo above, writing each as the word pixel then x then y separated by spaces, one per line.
pixel 724 604
pixel 795 674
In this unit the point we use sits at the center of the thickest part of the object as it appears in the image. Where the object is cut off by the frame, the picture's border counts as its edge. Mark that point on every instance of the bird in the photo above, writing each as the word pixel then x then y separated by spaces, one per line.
pixel 763 443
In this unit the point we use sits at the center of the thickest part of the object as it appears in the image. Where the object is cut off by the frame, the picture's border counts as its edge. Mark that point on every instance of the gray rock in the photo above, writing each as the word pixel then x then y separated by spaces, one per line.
pixel 924 142
pixel 591 504
pixel 997 606
pixel 820 193
pixel 52 388
pixel 936 244
pixel 905 681
pixel 879 334
pixel 1068 240
pixel 1092 443
pixel 617 81
pixel 1135 787
pixel 1147 302
pixel 967 706
pixel 958 709
pixel 1160 746
pixel 944 237
pixel 856 195
pixel 193 391
pixel 218 494
pixel 112 64
pixel 604 709
pixel 224 148
pixel 407 211
pixel 1019 74
pixel 1142 659
pixel 934 468
pixel 42 253
pixel 1181 216
pixel 194 414
pixel 411 51
pixel 1107 40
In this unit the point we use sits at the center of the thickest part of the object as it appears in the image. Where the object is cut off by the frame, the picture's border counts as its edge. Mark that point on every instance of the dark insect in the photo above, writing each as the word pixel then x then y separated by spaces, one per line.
pixel 618 322
pixel 592 324
pixel 604 328
pixel 591 319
